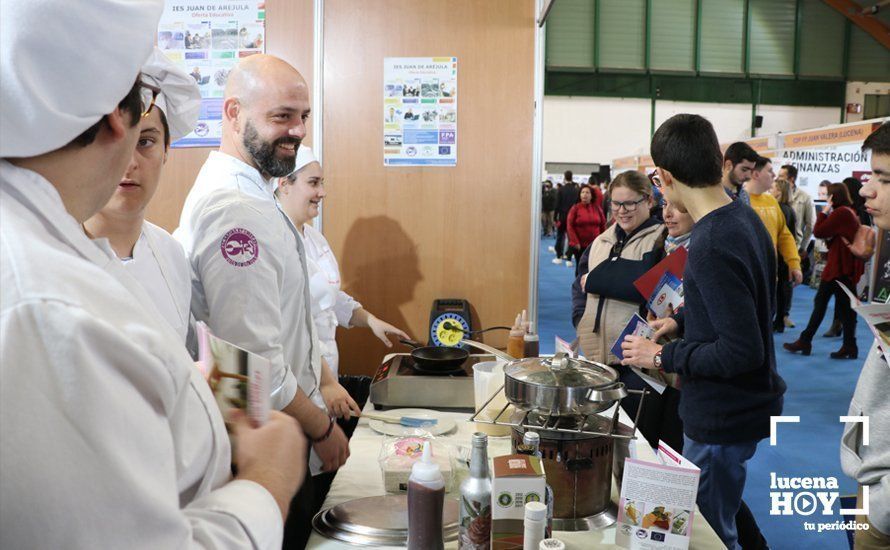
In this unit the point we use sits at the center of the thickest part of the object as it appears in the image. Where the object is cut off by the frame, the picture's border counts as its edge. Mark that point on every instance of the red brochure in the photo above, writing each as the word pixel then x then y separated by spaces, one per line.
pixel 675 263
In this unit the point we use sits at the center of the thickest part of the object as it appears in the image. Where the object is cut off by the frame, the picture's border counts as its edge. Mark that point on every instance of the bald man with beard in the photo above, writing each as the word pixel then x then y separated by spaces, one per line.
pixel 249 277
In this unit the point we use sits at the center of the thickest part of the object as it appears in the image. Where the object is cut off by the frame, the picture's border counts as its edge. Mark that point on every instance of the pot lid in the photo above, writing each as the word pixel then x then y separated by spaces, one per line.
pixel 376 521
pixel 562 371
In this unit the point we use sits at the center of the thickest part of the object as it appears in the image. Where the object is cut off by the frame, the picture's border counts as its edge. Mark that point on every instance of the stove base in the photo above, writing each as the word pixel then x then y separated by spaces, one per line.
pixel 595 522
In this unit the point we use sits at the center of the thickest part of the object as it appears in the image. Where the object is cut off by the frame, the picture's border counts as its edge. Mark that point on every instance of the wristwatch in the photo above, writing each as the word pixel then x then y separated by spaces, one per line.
pixel 657 360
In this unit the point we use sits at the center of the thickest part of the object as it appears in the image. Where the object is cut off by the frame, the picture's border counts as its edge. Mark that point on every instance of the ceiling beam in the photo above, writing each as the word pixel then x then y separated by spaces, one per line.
pixel 872 25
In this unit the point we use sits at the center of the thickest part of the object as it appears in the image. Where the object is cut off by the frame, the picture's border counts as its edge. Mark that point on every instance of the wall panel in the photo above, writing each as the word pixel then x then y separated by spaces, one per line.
pixel 407 235
pixel 722 36
pixel 673 35
pixel 622 34
pixel 821 40
pixel 571 42
pixel 772 37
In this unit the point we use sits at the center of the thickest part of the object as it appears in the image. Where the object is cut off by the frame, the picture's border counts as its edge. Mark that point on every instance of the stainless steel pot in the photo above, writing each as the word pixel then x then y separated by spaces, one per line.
pixel 558 385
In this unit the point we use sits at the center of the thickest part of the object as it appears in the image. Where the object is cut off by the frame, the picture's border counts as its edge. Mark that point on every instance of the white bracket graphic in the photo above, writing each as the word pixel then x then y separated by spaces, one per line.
pixel 773 420
pixel 858 511
pixel 864 421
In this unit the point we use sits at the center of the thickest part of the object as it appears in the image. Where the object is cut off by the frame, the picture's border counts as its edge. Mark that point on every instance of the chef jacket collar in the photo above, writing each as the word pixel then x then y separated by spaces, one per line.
pixel 261 187
pixel 40 196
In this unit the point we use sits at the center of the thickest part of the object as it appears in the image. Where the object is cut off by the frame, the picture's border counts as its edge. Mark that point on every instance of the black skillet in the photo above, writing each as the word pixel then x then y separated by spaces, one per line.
pixel 436 359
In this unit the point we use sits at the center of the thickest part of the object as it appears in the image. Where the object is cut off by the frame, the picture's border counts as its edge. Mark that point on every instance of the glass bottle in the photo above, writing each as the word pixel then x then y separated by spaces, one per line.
pixel 475 500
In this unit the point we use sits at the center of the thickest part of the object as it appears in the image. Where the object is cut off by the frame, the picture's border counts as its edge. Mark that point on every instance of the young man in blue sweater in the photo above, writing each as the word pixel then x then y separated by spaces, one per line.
pixel 726 360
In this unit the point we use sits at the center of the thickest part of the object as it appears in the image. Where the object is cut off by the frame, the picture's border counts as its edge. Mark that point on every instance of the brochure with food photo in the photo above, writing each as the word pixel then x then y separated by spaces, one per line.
pixel 657 503
pixel 238 378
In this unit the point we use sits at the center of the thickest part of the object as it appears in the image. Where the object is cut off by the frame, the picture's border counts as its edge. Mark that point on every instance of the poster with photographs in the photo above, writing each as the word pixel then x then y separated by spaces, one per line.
pixel 207 38
pixel 420 111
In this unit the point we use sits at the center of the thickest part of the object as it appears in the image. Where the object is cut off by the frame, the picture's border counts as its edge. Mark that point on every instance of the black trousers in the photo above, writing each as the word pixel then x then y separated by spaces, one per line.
pixel 783 294
pixel 560 240
pixel 842 309
pixel 573 253
pixel 660 417
pixel 309 499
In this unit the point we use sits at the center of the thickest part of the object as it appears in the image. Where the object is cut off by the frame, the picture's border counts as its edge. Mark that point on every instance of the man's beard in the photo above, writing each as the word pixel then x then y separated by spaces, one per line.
pixel 734 179
pixel 263 153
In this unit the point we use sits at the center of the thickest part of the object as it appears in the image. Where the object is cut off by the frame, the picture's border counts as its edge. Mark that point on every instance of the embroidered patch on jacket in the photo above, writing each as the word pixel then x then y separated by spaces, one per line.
pixel 239 247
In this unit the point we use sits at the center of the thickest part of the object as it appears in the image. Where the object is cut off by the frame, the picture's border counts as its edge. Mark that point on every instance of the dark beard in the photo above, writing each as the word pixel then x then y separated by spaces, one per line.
pixel 263 153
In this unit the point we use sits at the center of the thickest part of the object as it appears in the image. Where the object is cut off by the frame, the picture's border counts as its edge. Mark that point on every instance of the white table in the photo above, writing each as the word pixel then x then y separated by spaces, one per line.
pixel 361 477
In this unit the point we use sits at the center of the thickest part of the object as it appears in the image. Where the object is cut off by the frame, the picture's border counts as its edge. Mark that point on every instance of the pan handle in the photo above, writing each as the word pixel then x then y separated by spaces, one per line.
pixel 485 347
pixel 411 343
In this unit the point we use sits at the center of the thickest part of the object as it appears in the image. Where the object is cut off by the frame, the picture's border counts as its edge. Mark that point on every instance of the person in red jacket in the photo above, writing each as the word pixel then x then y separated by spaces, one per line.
pixel 585 221
pixel 837 224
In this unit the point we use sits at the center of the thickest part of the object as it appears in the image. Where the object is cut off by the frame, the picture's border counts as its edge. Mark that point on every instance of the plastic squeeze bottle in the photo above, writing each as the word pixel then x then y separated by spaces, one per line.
pixel 516 340
pixel 535 523
pixel 426 499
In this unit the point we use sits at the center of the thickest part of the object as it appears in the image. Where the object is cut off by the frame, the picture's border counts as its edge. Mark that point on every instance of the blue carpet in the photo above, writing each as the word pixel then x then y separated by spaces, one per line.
pixel 819 391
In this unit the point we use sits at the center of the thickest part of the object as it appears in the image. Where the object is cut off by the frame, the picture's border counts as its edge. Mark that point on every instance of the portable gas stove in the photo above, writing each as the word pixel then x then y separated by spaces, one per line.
pixel 400 383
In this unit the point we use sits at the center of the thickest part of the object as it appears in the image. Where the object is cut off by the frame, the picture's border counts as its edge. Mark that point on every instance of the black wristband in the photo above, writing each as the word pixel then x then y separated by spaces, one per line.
pixel 326 435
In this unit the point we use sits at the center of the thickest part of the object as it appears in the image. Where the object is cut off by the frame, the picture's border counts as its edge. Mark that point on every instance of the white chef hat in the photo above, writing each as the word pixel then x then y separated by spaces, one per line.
pixel 304 157
pixel 180 98
pixel 64 65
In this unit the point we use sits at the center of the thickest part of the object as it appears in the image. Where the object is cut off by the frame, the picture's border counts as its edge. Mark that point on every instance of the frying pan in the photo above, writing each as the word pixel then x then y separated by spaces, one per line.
pixel 435 359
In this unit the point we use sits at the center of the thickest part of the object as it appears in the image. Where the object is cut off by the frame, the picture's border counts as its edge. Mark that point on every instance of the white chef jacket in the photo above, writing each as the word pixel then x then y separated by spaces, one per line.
pixel 111 439
pixel 160 266
pixel 248 279
pixel 330 305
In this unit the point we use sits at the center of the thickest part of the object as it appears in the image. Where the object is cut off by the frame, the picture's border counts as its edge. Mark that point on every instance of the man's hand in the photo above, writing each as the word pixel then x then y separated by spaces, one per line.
pixel 795 276
pixel 339 402
pixel 639 352
pixel 333 451
pixel 664 328
pixel 583 281
pixel 273 455
pixel 381 329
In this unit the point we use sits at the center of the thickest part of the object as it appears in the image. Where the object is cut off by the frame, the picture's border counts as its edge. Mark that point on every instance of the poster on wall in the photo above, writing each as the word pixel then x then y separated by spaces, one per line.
pixel 207 38
pixel 420 111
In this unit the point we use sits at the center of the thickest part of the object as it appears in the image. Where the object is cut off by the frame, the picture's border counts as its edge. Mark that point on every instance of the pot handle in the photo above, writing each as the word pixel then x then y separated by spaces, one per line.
pixel 486 348
pixel 578 464
pixel 559 361
pixel 411 343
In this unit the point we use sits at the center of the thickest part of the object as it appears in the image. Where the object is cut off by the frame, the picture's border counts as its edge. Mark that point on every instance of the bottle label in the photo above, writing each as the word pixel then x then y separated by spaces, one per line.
pixel 475 525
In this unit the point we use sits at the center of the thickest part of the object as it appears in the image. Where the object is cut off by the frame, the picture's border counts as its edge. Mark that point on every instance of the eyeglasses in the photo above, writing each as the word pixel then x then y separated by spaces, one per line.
pixel 629 206
pixel 148 94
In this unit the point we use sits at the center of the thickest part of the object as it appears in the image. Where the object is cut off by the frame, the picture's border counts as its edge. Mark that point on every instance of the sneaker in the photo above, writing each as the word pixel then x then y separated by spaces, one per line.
pixel 788 322
pixel 551 249
pixel 557 260
pixel 568 263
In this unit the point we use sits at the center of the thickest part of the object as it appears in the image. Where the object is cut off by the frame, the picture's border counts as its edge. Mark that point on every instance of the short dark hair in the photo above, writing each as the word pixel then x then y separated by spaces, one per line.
pixel 761 162
pixel 686 146
pixel 878 142
pixel 791 170
pixel 567 176
pixel 166 127
pixel 739 151
pixel 131 103
pixel 839 195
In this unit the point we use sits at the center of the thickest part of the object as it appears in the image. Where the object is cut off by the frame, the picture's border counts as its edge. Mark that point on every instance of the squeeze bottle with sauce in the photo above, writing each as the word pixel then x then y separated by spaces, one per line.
pixel 426 499
pixel 516 341
pixel 531 342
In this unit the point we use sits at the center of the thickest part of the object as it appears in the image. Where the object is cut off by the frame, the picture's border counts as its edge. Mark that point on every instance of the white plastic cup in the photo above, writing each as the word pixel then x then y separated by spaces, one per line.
pixel 488 376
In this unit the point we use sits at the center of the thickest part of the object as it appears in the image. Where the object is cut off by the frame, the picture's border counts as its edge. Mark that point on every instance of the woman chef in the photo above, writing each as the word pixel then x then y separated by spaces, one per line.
pixel 150 254
pixel 300 194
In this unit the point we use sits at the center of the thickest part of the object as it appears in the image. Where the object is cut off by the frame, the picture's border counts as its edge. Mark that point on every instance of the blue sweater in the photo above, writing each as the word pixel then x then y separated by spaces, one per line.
pixel 726 359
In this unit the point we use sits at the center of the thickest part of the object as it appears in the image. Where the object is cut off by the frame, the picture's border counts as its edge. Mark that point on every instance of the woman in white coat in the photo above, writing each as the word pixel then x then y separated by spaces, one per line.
pixel 300 195
pixel 150 254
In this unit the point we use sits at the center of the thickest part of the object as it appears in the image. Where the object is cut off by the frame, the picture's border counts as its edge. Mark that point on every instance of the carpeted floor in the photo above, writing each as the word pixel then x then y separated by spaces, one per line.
pixel 819 391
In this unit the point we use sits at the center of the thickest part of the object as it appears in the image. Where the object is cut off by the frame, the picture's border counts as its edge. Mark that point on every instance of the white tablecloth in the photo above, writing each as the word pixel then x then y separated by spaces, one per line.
pixel 361 477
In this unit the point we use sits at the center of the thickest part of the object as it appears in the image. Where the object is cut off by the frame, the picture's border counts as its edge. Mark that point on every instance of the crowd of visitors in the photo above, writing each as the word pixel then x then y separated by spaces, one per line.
pixel 748 234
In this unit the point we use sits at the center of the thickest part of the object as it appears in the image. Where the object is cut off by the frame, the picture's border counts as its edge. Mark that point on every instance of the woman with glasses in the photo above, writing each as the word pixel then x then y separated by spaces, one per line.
pixel 171 102
pixel 618 257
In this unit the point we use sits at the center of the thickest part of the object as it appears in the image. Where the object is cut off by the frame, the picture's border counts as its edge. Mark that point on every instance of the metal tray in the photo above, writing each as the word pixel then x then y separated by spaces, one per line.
pixel 376 521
